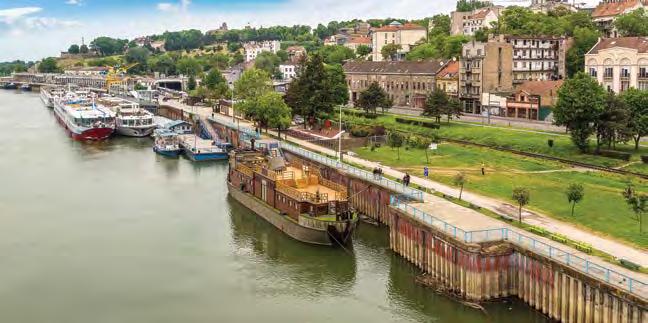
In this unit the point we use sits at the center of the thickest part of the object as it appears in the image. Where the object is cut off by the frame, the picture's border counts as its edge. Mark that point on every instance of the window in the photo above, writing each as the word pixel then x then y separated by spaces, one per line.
pixel 643 73
pixel 479 52
pixel 608 72
pixel 625 72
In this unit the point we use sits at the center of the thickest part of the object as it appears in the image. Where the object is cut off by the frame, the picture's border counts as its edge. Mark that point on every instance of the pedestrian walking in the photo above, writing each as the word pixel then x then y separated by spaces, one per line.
pixel 406 179
pixel 483 169
pixel 426 171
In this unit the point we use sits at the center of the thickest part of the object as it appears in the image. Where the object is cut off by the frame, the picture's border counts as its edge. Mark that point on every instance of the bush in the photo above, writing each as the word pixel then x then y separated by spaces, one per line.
pixel 644 158
pixel 615 154
pixel 360 131
pixel 427 124
pixel 550 142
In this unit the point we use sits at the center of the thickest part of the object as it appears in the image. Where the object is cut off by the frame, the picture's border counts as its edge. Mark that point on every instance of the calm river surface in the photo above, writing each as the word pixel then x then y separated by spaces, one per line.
pixel 112 233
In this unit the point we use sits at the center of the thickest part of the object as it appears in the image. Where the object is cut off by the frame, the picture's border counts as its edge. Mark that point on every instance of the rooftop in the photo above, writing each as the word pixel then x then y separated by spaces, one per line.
pixel 430 67
pixel 541 87
pixel 638 43
pixel 449 70
pixel 610 9
pixel 398 26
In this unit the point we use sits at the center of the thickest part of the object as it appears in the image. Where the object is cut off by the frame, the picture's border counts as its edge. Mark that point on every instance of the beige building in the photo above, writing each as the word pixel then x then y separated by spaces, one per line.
pixel 407 83
pixel 533 100
pixel 484 68
pixel 448 79
pixel 619 63
pixel 468 22
pixel 538 58
pixel 407 36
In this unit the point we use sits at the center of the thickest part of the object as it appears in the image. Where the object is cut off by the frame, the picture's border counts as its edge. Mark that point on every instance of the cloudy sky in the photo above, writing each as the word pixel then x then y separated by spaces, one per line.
pixel 32 29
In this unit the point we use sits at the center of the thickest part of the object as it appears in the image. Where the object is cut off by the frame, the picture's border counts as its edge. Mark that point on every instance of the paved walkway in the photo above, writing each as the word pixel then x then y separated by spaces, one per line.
pixel 612 247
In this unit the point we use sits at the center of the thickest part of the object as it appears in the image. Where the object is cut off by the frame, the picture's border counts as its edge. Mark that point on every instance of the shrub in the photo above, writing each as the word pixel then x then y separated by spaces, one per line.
pixel 644 158
pixel 550 142
pixel 615 154
pixel 360 131
pixel 427 124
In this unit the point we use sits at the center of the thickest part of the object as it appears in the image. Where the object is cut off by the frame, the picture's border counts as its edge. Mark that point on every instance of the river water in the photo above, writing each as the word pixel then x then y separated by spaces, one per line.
pixel 113 233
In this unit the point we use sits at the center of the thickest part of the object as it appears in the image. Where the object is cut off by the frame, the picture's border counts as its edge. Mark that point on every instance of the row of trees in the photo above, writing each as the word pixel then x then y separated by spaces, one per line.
pixel 6 68
pixel 587 109
pixel 76 49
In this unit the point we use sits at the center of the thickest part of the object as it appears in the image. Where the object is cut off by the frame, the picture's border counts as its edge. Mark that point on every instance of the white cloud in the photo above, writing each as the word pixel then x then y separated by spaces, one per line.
pixel 10 16
pixel 74 2
pixel 166 7
pixel 183 6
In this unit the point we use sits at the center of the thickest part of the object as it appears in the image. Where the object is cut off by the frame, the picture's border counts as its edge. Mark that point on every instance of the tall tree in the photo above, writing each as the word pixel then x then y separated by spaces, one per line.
pixel 584 39
pixel 468 5
pixel 389 51
pixel 372 98
pixel 191 83
pixel 188 66
pixel 581 100
pixel 575 194
pixel 48 65
pixel 636 103
pixel 84 49
pixel 612 123
pixel 74 49
pixel 637 202
pixel 435 104
pixel 395 140
pixel 336 54
pixel 363 50
pixel 138 55
pixel 453 109
pixel 215 84
pixel 268 62
pixel 459 180
pixel 522 196
pixel 633 24
pixel 252 84
pixel 107 46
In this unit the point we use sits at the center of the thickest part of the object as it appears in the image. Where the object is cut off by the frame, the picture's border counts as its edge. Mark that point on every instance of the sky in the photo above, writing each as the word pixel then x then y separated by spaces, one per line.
pixel 33 29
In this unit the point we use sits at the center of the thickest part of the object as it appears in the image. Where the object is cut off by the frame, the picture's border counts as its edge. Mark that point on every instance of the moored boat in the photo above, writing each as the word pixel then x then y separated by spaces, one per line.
pixel 292 196
pixel 130 119
pixel 166 143
pixel 198 149
pixel 48 94
pixel 83 118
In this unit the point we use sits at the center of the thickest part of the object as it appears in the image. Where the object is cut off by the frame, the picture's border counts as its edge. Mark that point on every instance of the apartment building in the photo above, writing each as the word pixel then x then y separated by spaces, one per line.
pixel 538 58
pixel 253 48
pixel 407 83
pixel 447 79
pixel 608 10
pixel 468 22
pixel 533 100
pixel 484 68
pixel 619 63
pixel 406 35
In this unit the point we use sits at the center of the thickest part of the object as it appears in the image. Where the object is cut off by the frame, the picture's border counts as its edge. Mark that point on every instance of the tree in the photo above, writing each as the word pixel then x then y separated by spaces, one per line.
pixel 138 55
pixel 468 5
pixel 440 25
pixel 49 65
pixel 581 100
pixel 636 103
pixel 107 46
pixel 637 202
pixel 522 196
pixel 612 123
pixel 584 40
pixel 336 54
pixel 389 51
pixel 215 84
pixel 395 140
pixel 435 104
pixel 74 49
pixel 183 40
pixel 84 49
pixel 460 180
pixel 163 64
pixel 317 89
pixel 188 66
pixel 453 109
pixel 252 84
pixel 575 194
pixel 274 111
pixel 633 24
pixel 372 98
pixel 268 62
pixel 363 50
pixel 191 83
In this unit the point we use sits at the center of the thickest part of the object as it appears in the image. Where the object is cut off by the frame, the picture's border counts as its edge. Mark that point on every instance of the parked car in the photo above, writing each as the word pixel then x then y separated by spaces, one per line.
pixel 298 120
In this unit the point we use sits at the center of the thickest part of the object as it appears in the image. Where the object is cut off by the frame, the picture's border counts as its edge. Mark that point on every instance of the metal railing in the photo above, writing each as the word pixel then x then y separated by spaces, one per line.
pixel 354 171
pixel 523 240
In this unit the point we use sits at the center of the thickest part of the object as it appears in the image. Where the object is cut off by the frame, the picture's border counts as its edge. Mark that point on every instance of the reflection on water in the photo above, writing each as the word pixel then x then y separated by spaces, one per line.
pixel 111 232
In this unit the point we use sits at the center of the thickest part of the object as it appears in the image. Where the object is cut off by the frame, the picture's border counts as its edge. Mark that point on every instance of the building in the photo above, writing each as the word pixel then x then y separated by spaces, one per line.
pixel 406 83
pixel 538 58
pixel 252 49
pixel 354 42
pixel 551 5
pixel 607 10
pixel 296 53
pixel 407 36
pixel 468 22
pixel 484 68
pixel 288 71
pixel 87 71
pixel 222 29
pixel 533 100
pixel 619 63
pixel 447 78
pixel 233 74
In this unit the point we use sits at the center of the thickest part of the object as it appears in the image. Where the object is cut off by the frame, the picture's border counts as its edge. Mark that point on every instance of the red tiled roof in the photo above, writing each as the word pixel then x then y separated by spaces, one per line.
pixel 360 40
pixel 407 26
pixel 541 87
pixel 480 14
pixel 449 70
pixel 638 43
pixel 609 9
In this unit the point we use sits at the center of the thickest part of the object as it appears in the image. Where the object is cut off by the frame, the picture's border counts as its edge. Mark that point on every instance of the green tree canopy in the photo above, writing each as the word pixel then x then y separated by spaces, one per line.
pixel 188 66
pixel 74 49
pixel 522 196
pixel 372 98
pixel 268 62
pixel 435 104
pixel 468 5
pixel 107 46
pixel 252 84
pixel 636 103
pixel 84 49
pixel 584 39
pixel 581 100
pixel 49 65
pixel 163 64
pixel 363 50
pixel 336 54
pixel 575 194
pixel 140 56
pixel 186 39
pixel 389 51
pixel 633 24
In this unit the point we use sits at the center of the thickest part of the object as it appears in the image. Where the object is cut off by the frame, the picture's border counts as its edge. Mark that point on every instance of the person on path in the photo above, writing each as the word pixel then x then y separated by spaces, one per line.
pixel 483 169
pixel 406 179
pixel 426 171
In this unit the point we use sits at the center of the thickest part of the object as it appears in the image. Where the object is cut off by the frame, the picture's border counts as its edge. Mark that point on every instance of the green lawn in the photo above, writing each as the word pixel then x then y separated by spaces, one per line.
pixel 510 138
pixel 603 208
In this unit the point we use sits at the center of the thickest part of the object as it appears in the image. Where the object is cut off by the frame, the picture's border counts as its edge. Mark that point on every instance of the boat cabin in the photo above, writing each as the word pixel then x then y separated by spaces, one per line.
pixel 179 127
pixel 295 189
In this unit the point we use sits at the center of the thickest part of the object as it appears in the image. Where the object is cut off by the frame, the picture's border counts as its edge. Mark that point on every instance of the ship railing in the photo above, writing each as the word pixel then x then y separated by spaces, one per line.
pixel 394 186
pixel 245 170
pixel 300 196
pixel 321 224
pixel 526 241
pixel 332 185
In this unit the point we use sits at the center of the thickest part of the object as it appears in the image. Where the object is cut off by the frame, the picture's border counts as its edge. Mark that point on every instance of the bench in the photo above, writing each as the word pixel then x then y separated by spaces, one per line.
pixel 559 238
pixel 584 247
pixel 629 264
pixel 538 230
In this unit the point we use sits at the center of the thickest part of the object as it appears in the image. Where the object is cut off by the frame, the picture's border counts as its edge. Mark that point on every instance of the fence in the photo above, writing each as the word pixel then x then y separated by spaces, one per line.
pixel 569 259
pixel 394 186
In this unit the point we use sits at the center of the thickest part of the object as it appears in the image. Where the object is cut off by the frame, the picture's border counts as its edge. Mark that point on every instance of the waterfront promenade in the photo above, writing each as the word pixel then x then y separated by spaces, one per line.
pixel 470 220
